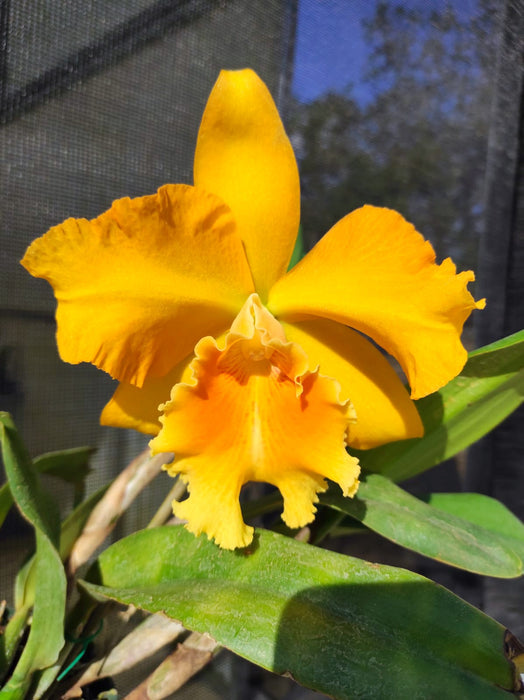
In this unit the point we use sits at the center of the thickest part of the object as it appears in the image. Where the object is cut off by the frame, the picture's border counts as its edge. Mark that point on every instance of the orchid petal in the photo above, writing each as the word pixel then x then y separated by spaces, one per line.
pixel 373 271
pixel 137 408
pixel 384 410
pixel 138 286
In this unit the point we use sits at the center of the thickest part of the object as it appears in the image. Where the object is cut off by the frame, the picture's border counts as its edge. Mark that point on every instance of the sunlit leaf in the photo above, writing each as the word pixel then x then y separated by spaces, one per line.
pixel 336 624
pixel 392 512
pixel 486 512
pixel 489 388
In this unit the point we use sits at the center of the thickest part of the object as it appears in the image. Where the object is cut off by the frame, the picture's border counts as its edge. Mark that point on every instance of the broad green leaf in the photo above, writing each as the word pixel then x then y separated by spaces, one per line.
pixel 436 530
pixel 337 624
pixel 46 635
pixel 485 512
pixel 489 388
pixel 392 512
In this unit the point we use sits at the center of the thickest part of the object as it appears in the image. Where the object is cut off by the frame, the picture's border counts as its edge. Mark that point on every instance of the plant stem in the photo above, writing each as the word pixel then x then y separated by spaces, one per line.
pixel 165 510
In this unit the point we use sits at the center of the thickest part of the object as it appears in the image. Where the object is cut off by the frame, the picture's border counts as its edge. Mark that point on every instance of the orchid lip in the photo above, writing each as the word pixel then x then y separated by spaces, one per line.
pixel 254 411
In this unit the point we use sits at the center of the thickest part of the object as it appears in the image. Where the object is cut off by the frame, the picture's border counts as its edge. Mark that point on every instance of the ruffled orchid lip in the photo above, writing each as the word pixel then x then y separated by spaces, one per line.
pixel 254 410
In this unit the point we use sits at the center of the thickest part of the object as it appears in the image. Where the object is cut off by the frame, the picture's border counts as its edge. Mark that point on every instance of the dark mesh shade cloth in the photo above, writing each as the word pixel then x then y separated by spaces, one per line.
pixel 101 100
pixel 71 149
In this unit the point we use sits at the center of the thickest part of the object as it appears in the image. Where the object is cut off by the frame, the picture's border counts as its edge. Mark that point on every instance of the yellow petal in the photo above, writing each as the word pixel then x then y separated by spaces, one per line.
pixel 136 407
pixel 138 286
pixel 384 410
pixel 253 411
pixel 374 272
pixel 244 156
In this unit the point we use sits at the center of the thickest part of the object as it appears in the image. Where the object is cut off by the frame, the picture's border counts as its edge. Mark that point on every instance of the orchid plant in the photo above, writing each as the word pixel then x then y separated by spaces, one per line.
pixel 246 368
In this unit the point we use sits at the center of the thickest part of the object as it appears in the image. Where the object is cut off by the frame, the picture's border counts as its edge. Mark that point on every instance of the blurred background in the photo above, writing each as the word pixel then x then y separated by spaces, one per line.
pixel 411 104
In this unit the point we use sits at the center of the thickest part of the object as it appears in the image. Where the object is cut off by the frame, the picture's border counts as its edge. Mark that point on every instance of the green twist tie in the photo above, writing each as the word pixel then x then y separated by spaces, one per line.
pixel 85 642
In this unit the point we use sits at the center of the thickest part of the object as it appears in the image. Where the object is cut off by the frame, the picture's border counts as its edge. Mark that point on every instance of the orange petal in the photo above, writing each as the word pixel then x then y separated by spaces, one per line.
pixel 384 410
pixel 254 411
pixel 138 286
pixel 244 156
pixel 374 272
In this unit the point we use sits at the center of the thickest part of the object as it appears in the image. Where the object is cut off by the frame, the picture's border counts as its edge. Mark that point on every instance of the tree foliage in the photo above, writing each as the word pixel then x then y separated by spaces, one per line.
pixel 419 143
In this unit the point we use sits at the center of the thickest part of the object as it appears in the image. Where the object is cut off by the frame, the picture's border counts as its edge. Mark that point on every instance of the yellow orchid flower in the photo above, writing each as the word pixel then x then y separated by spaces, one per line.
pixel 244 370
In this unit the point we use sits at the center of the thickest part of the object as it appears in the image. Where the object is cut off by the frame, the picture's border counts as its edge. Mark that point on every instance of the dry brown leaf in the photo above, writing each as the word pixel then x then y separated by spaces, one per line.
pixel 151 635
pixel 117 499
pixel 188 658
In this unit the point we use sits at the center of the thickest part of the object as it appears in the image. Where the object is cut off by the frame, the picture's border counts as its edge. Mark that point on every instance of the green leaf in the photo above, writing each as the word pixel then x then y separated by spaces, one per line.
pixel 46 635
pixel 392 512
pixel 337 624
pixel 485 512
pixel 25 584
pixel 74 523
pixel 11 638
pixel 70 465
pixel 34 503
pixel 70 530
pixel 6 501
pixel 489 388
